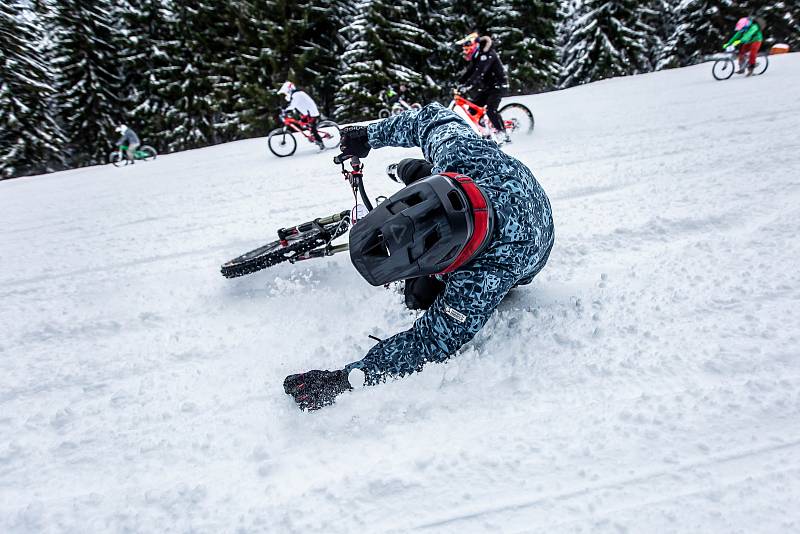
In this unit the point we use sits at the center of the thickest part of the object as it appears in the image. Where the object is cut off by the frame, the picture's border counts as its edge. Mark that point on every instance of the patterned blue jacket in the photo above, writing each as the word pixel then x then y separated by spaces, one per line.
pixel 523 237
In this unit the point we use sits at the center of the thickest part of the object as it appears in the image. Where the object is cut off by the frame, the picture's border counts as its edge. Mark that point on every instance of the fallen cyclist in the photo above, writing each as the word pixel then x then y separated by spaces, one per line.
pixel 471 223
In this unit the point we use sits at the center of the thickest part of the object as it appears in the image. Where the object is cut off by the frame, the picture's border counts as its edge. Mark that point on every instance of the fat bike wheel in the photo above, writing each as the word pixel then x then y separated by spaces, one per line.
pixel 294 248
pixel 517 119
pixel 281 142
pixel 271 254
pixel 723 69
pixel 115 158
pixel 329 131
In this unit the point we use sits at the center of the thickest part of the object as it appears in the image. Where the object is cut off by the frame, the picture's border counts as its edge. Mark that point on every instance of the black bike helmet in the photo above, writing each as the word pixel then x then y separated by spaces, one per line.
pixel 432 226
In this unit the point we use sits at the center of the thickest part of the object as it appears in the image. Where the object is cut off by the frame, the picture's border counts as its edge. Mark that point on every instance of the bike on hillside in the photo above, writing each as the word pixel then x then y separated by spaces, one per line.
pixel 120 156
pixel 282 142
pixel 394 103
pixel 725 65
pixel 517 118
pixel 312 239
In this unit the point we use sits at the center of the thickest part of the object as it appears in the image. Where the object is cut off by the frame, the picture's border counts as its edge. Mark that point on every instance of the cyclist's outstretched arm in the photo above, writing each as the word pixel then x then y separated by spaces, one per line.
pixel 430 128
pixel 468 301
pixel 735 39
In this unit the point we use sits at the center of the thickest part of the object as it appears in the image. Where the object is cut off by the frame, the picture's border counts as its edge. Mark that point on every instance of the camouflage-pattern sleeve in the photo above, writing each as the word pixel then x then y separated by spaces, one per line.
pixel 458 313
pixel 428 128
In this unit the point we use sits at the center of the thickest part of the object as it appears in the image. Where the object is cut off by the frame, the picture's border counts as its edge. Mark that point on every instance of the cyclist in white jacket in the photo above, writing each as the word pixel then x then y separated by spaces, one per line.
pixel 302 103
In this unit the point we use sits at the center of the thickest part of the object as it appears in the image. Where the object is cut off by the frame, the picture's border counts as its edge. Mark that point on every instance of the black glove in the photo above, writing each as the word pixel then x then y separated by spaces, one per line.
pixel 355 141
pixel 421 292
pixel 315 389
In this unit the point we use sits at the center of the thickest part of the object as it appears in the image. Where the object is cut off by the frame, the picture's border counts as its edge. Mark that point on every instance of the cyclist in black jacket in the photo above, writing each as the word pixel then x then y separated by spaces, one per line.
pixel 486 75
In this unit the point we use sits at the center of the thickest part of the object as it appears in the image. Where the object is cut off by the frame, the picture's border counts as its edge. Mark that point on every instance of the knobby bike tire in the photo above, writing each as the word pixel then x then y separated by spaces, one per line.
pixel 115 158
pixel 296 246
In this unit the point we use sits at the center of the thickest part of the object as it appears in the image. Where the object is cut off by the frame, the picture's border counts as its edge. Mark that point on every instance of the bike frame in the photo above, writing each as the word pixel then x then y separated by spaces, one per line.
pixel 476 114
pixel 137 154
pixel 355 177
pixel 301 126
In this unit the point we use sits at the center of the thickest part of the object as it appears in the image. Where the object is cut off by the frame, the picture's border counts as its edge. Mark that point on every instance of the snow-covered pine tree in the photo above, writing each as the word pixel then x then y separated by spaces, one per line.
pixel 608 38
pixel 89 83
pixel 529 49
pixel 298 41
pixel 30 139
pixel 660 16
pixel 782 20
pixel 201 81
pixel 149 27
pixel 380 45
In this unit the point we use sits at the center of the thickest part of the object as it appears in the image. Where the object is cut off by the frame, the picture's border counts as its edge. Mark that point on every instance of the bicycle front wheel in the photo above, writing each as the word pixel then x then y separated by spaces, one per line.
pixel 517 119
pixel 384 113
pixel 115 158
pixel 146 153
pixel 271 254
pixel 762 62
pixel 329 131
pixel 723 69
pixel 297 246
pixel 281 142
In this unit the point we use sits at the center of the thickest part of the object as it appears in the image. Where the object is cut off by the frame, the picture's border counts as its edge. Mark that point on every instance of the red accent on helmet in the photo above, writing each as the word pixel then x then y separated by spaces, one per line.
pixel 480 215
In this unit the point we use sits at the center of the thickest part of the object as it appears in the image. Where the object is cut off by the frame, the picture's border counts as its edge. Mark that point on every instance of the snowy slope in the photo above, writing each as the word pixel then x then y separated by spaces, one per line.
pixel 648 381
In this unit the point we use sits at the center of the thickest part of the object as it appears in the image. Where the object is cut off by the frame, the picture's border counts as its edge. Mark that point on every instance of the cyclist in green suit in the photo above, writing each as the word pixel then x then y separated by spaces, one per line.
pixel 750 36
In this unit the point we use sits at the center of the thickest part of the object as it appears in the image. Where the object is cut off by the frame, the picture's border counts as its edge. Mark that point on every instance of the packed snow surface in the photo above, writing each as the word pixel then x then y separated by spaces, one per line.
pixel 647 381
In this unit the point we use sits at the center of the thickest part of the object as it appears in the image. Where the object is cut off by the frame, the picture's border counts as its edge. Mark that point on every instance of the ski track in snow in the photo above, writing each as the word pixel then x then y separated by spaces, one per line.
pixel 647 381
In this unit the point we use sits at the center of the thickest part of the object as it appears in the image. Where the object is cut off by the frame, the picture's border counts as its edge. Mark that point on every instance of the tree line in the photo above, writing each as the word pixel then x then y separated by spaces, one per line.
pixel 191 73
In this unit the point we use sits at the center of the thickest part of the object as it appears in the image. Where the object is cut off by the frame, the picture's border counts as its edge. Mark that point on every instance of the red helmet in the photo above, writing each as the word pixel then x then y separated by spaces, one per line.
pixel 433 226
pixel 469 45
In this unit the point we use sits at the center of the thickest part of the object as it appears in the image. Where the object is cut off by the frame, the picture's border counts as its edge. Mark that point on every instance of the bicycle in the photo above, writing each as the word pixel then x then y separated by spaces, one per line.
pixel 395 104
pixel 312 239
pixel 725 66
pixel 282 143
pixel 517 118
pixel 144 153
pixel 397 108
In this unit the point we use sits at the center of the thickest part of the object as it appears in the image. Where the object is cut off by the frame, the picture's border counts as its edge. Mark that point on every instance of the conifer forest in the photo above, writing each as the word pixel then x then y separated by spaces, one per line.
pixel 191 73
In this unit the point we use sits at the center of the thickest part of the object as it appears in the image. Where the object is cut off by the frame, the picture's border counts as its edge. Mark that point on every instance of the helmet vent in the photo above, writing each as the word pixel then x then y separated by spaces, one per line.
pixel 431 239
pixel 455 201
pixel 404 203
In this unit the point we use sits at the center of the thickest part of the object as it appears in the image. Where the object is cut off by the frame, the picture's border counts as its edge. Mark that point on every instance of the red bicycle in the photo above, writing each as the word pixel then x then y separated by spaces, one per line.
pixel 282 141
pixel 517 118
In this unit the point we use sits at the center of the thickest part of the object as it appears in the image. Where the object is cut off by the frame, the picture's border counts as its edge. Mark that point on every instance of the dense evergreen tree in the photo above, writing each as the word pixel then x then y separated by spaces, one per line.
pixel 529 48
pixel 607 38
pixel 298 41
pixel 701 27
pixel 149 31
pixel 380 45
pixel 90 86
pixel 782 22
pixel 201 80
pixel 30 139
pixel 199 72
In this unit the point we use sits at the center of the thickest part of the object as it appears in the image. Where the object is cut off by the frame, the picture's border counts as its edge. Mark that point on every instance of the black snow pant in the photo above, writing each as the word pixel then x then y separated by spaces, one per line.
pixel 491 99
